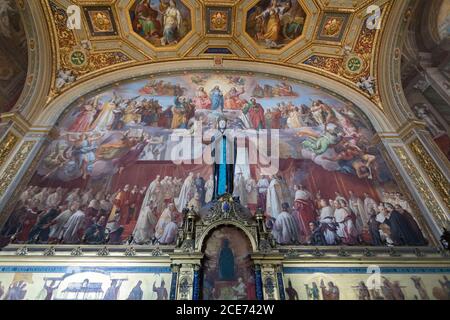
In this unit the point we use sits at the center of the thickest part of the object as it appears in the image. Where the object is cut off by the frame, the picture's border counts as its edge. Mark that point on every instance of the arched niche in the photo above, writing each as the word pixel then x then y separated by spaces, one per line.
pixel 227 268
pixel 206 232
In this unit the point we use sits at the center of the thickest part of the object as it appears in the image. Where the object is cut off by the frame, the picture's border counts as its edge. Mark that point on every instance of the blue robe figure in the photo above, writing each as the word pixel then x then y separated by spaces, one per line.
pixel 224 153
pixel 226 262
pixel 217 101
pixel 136 293
pixel 113 291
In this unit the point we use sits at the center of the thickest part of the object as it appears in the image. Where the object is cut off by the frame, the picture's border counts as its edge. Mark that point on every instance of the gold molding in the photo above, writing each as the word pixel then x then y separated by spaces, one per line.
pixel 14 166
pixel 437 178
pixel 6 146
pixel 440 216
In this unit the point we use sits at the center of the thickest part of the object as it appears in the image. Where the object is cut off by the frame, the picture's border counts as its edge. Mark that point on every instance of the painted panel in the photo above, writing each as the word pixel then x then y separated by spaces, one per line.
pixel 84 283
pixel 161 22
pixel 359 283
pixel 228 272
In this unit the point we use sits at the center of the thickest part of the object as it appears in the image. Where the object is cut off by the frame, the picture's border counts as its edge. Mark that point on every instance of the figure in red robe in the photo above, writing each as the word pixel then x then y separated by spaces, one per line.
pixel 84 119
pixel 255 114
pixel 122 202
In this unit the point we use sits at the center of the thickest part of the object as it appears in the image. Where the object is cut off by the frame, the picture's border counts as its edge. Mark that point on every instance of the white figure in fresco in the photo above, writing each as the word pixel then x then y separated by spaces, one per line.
pixel 367 84
pixel 209 186
pixel 172 24
pixel 166 229
pixel 252 192
pixel 63 78
pixel 144 230
pixel 105 118
pixel 424 114
pixel 357 206
pixel 187 192
pixel 274 198
pixel 285 229
pixel 72 227
pixel 327 220
pixel 57 227
pixel 239 188
pixel 369 204
pixel 149 195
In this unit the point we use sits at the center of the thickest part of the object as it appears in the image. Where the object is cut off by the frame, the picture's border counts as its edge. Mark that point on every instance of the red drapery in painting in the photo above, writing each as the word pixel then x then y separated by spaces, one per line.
pixel 143 172
pixel 328 182
pixel 316 178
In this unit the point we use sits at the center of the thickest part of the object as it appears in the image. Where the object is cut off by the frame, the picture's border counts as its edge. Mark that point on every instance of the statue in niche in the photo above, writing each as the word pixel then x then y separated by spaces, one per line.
pixel 223 152
pixel 226 262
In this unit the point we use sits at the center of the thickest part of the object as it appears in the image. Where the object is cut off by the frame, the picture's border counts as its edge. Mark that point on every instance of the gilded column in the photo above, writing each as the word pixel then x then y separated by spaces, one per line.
pixel 173 284
pixel 436 176
pixel 12 129
pixel 432 215
pixel 271 290
pixel 19 170
pixel 258 283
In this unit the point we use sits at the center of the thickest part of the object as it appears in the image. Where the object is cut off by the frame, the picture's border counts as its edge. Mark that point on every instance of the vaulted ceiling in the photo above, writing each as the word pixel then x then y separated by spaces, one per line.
pixel 329 36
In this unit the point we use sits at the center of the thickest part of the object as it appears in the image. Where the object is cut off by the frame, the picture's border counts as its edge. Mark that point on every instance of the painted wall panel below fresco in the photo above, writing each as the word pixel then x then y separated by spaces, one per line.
pixel 84 283
pixel 359 283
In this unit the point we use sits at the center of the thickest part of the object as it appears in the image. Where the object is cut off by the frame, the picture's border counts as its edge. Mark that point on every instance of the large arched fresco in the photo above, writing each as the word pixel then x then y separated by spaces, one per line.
pixel 125 160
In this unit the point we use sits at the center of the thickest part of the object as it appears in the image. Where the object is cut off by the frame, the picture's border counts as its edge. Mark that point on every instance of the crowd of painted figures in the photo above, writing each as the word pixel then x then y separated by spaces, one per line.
pixel 388 290
pixel 152 214
pixel 86 290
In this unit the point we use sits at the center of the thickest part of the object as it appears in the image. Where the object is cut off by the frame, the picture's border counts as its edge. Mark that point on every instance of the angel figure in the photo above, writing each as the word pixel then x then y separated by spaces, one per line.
pixel 367 84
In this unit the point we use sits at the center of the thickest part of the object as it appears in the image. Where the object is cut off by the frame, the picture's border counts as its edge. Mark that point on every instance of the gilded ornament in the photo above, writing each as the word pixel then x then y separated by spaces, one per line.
pixel 435 175
pixel 422 187
pixel 7 146
pixel 14 166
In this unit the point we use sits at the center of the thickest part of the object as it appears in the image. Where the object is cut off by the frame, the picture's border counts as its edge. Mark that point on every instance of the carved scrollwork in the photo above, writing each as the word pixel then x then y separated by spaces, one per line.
pixel 130 252
pixel 292 254
pixel 157 252
pixel 368 253
pixel 393 253
pixel 317 253
pixel 22 251
pixel 343 253
pixel 77 252
pixel 103 252
pixel 49 251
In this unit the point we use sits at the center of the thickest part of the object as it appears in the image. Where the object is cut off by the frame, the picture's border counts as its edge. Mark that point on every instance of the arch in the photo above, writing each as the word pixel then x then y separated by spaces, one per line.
pixel 228 267
pixel 201 241
pixel 49 117
pixel 34 93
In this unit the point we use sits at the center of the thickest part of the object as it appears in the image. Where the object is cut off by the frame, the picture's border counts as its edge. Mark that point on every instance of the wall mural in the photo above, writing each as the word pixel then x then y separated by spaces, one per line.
pixel 355 284
pixel 108 176
pixel 273 23
pixel 84 283
pixel 228 272
pixel 161 22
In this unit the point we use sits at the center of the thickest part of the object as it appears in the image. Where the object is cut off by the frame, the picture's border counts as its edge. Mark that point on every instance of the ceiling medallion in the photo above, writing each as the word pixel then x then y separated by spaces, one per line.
pixel 78 58
pixel 353 64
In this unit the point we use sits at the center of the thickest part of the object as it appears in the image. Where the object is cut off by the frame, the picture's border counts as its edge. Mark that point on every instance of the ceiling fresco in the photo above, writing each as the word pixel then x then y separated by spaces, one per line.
pixel 327 37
